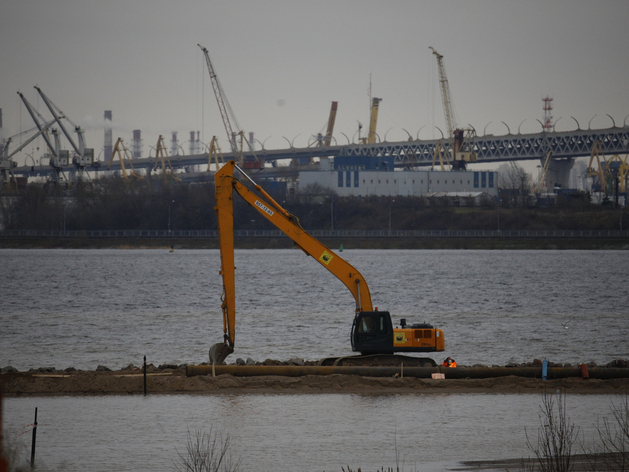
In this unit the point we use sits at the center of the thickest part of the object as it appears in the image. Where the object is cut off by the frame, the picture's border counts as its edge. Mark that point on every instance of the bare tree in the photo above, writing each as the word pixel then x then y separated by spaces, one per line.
pixel 206 452
pixel 556 436
pixel 517 182
pixel 613 451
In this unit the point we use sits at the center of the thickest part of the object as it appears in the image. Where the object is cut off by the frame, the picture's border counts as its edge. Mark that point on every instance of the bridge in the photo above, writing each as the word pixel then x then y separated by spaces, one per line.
pixel 413 153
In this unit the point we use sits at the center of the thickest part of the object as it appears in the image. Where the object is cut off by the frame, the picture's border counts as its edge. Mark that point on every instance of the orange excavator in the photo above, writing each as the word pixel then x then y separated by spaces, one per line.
pixel 372 330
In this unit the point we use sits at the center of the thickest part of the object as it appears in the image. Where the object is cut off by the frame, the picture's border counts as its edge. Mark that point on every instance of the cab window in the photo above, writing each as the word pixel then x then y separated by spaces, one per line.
pixel 372 325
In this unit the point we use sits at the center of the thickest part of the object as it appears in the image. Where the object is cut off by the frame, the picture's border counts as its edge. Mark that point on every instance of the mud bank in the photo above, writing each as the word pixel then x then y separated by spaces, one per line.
pixel 172 381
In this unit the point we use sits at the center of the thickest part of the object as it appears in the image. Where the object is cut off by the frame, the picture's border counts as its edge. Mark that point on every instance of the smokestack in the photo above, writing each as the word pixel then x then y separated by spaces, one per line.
pixel 108 147
pixel 136 145
pixel 174 144
pixel 251 140
pixel 191 143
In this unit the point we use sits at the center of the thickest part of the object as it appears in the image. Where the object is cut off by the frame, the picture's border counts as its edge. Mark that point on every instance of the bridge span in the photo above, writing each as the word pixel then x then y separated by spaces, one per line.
pixel 414 153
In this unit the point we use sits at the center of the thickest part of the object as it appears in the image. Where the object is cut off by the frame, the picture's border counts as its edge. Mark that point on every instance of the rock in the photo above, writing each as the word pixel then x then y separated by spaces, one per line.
pixel 240 361
pixel 102 368
pixel 250 361
pixel 591 364
pixel 620 363
pixel 537 362
pixel 8 370
pixel 69 369
pixel 296 361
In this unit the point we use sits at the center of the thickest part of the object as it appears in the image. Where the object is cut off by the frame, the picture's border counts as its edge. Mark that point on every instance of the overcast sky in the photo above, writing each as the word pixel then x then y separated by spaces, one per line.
pixel 281 63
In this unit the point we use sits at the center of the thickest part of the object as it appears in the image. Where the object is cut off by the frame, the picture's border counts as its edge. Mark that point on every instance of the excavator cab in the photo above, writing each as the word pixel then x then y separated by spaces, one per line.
pixel 373 333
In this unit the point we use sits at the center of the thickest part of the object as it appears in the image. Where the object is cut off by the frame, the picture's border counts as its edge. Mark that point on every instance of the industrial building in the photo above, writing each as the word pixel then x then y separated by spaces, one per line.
pixel 349 176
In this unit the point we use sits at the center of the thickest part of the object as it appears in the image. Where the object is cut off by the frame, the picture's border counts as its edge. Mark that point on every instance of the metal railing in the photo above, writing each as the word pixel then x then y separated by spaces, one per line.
pixel 320 233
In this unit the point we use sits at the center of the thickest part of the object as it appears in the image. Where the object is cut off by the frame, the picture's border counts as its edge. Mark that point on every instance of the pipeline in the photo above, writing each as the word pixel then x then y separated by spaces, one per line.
pixel 417 372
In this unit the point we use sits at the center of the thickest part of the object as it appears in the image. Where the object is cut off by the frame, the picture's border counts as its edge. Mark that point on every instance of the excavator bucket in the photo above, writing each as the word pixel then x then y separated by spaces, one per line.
pixel 220 351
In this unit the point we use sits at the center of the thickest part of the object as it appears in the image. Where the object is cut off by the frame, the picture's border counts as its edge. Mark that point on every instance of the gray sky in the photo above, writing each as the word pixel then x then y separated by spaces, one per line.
pixel 281 63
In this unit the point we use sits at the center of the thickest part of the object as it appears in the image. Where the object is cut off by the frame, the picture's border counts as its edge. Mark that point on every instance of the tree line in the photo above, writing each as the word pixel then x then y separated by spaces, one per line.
pixel 112 204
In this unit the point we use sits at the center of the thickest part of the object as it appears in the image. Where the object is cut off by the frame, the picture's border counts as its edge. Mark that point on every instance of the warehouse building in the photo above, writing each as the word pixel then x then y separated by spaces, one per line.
pixel 360 176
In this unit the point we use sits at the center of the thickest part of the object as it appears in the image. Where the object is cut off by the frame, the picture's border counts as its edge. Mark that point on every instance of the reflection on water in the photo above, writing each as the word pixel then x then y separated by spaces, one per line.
pixel 290 432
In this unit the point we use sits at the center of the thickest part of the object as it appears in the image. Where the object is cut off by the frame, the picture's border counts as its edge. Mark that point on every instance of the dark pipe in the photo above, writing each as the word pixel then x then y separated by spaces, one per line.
pixel 418 372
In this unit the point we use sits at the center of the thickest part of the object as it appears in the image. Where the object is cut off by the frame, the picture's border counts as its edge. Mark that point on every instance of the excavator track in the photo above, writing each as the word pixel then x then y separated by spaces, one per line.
pixel 379 360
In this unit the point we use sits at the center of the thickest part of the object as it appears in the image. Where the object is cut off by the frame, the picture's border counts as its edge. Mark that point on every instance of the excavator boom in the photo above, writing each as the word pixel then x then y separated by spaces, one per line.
pixel 372 331
pixel 226 184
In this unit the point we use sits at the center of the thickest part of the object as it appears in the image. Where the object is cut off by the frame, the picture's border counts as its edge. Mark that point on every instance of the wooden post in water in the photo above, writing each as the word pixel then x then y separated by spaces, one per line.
pixel 4 464
pixel 34 440
pixel 144 375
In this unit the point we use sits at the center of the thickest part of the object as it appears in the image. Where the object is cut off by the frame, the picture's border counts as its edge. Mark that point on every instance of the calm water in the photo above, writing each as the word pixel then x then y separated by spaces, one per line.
pixel 83 308
pixel 289 433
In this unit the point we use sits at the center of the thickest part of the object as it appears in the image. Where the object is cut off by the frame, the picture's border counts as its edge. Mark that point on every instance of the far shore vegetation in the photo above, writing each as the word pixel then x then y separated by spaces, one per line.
pixel 150 204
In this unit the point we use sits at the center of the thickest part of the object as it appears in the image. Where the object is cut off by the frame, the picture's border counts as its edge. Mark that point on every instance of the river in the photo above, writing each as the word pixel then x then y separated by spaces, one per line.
pixel 84 308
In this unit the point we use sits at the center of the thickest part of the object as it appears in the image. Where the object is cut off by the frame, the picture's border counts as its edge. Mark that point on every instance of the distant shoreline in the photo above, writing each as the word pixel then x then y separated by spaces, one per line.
pixel 487 243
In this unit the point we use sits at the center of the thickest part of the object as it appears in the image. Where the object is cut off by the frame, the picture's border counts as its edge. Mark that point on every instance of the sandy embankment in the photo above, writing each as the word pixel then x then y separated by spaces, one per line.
pixel 168 381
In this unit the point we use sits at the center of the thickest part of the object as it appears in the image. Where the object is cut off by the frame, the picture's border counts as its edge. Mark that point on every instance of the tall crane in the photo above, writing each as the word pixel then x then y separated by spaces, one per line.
pixel 461 140
pixel 225 110
pixel 373 121
pixel 327 140
pixel 83 157
pixel 445 95
pixel 541 183
pixel 58 159
pixel 123 155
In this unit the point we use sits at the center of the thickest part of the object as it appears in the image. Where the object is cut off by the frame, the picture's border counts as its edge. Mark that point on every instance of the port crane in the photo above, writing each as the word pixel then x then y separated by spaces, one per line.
pixel 373 123
pixel 541 178
pixel 599 182
pixel 83 156
pixel 123 154
pixel 6 161
pixel 461 141
pixel 161 155
pixel 225 110
pixel 372 330
pixel 325 140
pixel 57 159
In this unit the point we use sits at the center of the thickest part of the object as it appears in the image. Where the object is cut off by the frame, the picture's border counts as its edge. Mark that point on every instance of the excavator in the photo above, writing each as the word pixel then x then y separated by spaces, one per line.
pixel 372 330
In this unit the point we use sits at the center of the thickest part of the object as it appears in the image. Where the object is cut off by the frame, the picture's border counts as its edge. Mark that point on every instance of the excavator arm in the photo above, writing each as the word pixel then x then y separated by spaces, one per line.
pixel 226 184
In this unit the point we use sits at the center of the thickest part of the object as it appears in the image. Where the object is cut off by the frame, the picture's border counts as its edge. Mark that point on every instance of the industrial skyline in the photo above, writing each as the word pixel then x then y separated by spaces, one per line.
pixel 282 63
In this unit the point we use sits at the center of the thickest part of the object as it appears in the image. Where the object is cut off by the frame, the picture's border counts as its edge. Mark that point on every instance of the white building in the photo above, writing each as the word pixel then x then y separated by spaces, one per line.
pixel 347 182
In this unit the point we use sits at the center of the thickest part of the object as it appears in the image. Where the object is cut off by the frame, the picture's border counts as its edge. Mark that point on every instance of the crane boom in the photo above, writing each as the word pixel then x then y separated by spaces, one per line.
pixel 28 106
pixel 328 134
pixel 445 95
pixel 57 118
pixel 220 99
pixel 373 121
